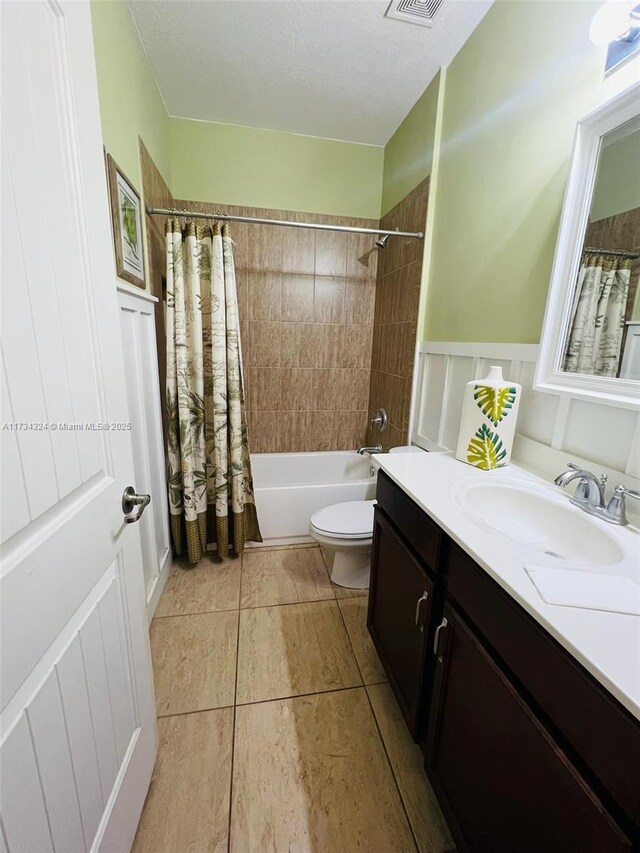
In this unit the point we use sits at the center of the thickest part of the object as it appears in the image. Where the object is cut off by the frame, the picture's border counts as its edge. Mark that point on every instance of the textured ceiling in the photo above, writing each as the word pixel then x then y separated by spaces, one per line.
pixel 332 68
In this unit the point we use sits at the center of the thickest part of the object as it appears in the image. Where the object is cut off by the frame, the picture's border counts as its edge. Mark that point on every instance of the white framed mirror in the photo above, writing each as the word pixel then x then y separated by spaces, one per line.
pixel 590 345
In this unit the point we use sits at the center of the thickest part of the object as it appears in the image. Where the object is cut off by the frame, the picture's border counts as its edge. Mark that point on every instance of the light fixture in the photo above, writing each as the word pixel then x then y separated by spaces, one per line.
pixel 614 20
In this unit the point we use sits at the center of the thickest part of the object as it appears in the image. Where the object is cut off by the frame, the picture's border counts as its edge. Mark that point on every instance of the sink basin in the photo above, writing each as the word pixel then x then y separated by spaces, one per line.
pixel 546 523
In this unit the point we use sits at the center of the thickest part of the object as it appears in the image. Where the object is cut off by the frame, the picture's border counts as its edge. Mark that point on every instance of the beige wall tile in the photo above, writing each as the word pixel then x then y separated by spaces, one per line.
pixel 355 346
pixel 328 300
pixel 187 807
pixel 240 235
pixel 427 821
pixel 209 586
pixel 263 437
pixel 359 301
pixel 362 256
pixel 293 649
pixel 187 675
pixel 264 246
pixel 264 349
pixel 283 576
pixel 305 780
pixel 299 249
pixel 297 298
pixel 354 613
pixel 331 253
pixel 297 388
pixel 310 345
pixel 266 385
pixel 295 432
pixel 340 389
pixel 265 295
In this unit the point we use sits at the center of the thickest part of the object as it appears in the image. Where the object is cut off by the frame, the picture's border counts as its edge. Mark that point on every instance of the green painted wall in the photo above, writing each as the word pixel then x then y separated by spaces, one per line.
pixel 130 103
pixel 264 168
pixel 618 182
pixel 513 95
pixel 408 155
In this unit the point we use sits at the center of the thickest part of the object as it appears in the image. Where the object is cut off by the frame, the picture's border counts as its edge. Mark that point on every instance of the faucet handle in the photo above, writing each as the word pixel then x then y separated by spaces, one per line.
pixel 616 509
pixel 622 491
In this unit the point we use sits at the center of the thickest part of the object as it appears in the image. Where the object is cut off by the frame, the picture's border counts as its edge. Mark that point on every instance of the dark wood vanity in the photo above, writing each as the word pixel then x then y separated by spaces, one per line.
pixel 525 750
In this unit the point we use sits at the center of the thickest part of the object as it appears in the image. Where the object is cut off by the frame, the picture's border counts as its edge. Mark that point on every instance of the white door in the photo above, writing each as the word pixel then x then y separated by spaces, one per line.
pixel 77 708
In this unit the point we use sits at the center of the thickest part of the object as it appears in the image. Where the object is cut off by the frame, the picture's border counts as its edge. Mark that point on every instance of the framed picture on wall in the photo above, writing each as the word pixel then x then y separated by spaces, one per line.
pixel 126 221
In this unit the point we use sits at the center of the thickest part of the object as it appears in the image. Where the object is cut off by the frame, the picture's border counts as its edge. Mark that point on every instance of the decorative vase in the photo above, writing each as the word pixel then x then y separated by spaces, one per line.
pixel 488 422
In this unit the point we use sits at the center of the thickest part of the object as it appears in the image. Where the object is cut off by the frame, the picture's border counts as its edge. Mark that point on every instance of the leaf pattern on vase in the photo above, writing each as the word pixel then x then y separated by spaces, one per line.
pixel 485 449
pixel 495 403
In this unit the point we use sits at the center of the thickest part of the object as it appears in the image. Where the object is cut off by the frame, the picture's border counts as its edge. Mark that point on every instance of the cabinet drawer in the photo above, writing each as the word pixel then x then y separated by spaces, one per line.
pixel 603 733
pixel 421 533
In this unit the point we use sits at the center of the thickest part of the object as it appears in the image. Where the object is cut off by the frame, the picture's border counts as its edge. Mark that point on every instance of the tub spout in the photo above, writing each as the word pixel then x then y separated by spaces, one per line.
pixel 370 450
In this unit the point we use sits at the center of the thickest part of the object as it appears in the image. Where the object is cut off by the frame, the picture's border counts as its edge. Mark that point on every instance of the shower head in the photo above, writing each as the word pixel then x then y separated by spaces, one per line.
pixel 381 242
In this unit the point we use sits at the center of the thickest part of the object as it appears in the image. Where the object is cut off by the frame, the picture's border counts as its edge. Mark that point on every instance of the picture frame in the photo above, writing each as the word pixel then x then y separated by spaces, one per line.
pixel 126 224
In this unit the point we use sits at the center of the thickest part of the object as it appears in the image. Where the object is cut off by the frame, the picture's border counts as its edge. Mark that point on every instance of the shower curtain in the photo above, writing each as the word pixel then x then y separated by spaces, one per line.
pixel 209 471
pixel 598 315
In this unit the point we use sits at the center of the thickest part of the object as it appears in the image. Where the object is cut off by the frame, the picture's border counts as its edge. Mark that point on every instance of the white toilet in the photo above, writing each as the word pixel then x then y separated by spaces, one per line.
pixel 346 530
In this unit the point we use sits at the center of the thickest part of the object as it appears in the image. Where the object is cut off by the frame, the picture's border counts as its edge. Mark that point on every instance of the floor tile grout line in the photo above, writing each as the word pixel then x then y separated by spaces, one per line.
pixel 196 613
pixel 288 603
pixel 235 697
pixel 390 763
pixel 353 650
pixel 303 695
pixel 375 719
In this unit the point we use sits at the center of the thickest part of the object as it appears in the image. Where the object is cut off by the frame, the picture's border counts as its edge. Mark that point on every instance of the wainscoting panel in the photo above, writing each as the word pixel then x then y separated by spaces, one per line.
pixel 139 344
pixel 551 430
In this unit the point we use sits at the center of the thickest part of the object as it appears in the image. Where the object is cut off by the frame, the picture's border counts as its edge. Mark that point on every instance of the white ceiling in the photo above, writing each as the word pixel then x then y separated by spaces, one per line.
pixel 332 68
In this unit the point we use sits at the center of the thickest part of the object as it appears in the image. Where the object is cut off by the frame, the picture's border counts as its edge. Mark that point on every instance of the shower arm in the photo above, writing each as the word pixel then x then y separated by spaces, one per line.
pixel 226 217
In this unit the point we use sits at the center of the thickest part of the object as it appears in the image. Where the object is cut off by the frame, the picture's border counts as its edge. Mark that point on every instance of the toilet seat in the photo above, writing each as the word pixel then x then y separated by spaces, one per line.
pixel 348 520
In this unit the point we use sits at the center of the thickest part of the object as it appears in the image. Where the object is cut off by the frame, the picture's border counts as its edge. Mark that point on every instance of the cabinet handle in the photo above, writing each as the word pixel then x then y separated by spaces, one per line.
pixel 418 618
pixel 436 639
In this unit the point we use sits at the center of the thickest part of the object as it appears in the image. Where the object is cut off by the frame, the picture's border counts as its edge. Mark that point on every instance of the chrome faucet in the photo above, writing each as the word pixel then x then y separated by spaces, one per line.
pixel 370 450
pixel 590 494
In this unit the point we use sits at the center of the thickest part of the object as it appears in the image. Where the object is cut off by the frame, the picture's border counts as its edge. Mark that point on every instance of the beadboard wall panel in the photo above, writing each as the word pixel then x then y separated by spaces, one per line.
pixel 551 429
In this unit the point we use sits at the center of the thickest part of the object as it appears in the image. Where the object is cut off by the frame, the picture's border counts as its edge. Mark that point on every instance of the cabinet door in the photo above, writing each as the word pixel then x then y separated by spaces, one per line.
pixel 502 781
pixel 399 609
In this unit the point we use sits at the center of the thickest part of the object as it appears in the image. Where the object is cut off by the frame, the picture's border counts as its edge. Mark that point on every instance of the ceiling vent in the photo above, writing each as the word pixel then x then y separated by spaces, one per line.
pixel 425 13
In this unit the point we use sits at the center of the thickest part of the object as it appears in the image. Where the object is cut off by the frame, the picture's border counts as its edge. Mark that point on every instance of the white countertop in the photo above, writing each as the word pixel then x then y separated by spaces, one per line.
pixel 606 644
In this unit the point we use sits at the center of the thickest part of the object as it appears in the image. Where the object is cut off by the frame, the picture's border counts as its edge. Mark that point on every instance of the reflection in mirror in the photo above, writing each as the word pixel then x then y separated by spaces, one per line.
pixel 603 334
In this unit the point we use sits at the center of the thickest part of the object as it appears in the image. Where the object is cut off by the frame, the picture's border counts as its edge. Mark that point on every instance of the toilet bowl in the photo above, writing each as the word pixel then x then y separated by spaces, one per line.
pixel 346 531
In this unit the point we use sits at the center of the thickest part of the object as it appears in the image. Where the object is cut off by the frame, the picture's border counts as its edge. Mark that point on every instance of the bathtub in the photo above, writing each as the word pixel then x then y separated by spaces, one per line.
pixel 290 487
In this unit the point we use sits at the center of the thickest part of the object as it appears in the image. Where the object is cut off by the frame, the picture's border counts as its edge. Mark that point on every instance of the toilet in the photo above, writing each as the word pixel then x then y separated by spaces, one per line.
pixel 346 530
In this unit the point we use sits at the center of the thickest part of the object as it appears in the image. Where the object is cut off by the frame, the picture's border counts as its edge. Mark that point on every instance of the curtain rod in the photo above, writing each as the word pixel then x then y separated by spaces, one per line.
pixel 226 217
pixel 618 252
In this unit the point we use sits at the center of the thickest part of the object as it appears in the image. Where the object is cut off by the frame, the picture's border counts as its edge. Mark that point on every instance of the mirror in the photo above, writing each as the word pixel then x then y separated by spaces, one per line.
pixel 590 344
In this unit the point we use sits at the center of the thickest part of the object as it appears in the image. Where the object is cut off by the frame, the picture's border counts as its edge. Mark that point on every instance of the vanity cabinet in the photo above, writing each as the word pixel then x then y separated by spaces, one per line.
pixel 525 750
pixel 501 778
pixel 399 615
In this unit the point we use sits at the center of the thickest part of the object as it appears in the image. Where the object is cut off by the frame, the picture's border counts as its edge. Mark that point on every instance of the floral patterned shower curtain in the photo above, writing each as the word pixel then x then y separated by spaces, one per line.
pixel 209 472
pixel 598 316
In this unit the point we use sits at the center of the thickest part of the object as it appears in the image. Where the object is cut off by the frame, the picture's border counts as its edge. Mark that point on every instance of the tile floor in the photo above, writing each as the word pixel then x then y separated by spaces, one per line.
pixel 277 729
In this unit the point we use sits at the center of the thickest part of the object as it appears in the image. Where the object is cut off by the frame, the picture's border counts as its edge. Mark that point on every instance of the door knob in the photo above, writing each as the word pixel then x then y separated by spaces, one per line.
pixel 130 500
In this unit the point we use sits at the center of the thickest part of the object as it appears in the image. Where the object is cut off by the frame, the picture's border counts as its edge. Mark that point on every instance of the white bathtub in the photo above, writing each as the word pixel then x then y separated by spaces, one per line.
pixel 290 487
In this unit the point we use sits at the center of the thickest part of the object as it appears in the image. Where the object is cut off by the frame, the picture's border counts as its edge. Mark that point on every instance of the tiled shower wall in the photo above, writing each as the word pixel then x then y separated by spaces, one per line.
pixel 621 232
pixel 306 302
pixel 395 319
